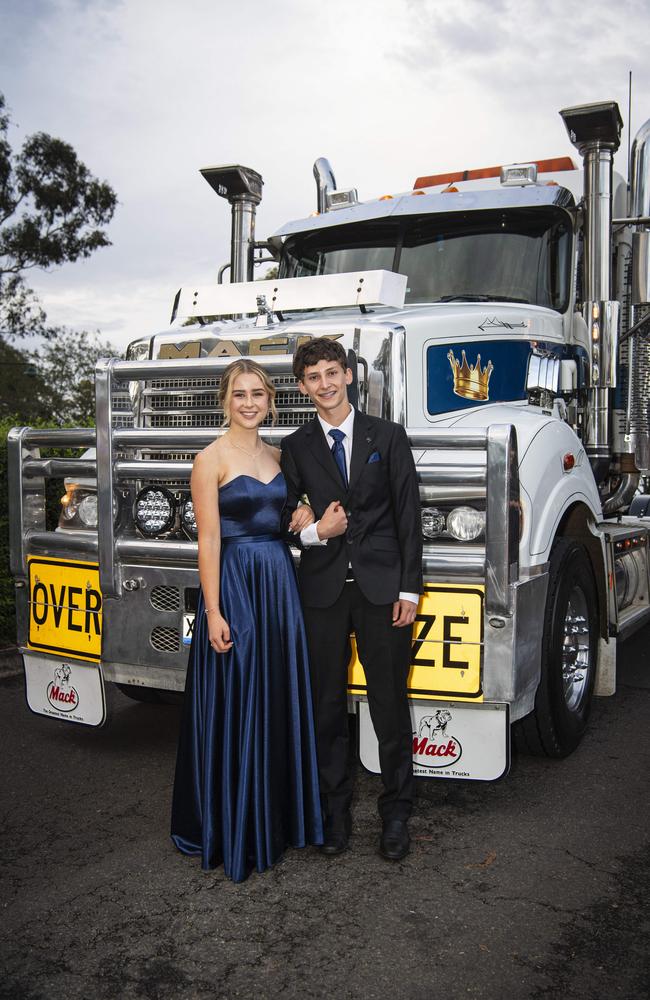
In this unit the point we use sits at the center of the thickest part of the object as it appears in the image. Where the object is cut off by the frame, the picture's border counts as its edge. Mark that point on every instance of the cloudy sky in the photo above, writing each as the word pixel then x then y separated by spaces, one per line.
pixel 149 91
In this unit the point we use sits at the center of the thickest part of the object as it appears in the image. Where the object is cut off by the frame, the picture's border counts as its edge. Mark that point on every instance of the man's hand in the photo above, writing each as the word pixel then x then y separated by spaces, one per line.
pixel 333 522
pixel 301 518
pixel 404 613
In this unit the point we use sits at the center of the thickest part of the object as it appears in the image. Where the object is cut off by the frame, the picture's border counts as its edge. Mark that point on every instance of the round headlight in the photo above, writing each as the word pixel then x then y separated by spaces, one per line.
pixel 433 522
pixel 87 510
pixel 70 502
pixel 188 520
pixel 154 510
pixel 465 523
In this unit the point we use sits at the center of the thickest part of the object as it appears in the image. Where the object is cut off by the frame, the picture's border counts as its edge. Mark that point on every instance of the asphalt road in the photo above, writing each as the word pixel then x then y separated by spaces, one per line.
pixel 533 888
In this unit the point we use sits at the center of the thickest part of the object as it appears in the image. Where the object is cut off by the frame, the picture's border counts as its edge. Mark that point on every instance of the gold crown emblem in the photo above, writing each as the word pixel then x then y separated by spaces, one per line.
pixel 469 381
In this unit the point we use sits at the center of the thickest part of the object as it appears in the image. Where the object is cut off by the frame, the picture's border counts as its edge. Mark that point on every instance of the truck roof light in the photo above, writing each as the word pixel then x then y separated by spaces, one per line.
pixel 519 174
pixel 418 192
pixel 555 163
pixel 386 197
pixel 341 199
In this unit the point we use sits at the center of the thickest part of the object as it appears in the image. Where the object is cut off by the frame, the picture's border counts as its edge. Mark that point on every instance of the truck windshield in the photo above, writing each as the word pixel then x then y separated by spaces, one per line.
pixel 516 256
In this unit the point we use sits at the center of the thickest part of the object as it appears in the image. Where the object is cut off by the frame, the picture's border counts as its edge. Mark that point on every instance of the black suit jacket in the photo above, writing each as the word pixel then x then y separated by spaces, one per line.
pixel 383 542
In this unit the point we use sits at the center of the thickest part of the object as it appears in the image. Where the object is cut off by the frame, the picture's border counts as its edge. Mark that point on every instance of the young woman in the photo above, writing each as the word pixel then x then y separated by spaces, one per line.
pixel 246 782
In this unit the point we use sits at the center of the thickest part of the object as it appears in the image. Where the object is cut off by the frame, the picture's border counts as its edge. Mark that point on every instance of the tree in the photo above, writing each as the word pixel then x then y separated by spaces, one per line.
pixel 21 387
pixel 52 210
pixel 66 373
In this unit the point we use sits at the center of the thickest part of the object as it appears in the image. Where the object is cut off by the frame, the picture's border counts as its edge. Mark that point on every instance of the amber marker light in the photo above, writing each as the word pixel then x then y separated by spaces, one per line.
pixel 386 197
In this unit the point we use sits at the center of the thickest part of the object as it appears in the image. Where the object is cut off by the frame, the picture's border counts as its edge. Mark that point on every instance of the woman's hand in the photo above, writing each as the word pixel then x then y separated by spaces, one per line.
pixel 302 517
pixel 219 631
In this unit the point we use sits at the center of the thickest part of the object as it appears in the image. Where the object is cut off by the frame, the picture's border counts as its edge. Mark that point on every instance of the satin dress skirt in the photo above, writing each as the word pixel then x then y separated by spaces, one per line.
pixel 246 783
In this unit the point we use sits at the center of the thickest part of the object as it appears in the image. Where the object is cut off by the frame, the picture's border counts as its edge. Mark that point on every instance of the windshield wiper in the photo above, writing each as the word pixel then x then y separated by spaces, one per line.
pixel 479 298
pixel 464 298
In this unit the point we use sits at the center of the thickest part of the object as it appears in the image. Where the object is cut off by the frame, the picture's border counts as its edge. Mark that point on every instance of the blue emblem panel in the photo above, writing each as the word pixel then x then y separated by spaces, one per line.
pixel 461 375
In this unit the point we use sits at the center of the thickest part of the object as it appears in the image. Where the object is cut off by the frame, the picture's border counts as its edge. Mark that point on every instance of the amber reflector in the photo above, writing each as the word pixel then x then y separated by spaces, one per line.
pixel 555 163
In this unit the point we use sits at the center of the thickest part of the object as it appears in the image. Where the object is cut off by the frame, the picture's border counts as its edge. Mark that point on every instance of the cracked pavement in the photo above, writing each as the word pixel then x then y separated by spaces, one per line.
pixel 532 888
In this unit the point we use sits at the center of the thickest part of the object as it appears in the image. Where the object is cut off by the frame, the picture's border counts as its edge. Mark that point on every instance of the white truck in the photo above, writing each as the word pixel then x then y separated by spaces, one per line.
pixel 502 316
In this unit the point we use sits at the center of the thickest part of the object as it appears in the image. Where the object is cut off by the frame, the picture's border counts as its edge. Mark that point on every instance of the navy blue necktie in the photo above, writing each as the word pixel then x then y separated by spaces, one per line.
pixel 338 451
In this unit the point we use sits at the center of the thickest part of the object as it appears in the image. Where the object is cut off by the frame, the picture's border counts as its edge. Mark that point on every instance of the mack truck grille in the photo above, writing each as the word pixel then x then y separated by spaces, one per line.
pixel 121 405
pixel 194 403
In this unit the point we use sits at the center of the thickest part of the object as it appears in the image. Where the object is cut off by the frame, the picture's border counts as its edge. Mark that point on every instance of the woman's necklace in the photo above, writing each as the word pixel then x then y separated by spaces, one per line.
pixel 239 448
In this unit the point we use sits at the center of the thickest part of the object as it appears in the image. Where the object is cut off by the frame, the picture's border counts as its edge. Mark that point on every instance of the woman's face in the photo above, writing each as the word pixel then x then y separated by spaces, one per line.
pixel 249 401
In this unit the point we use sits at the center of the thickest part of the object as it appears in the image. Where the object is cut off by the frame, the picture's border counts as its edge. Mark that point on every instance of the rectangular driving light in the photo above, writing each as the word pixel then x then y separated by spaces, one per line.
pixel 518 174
pixel 342 199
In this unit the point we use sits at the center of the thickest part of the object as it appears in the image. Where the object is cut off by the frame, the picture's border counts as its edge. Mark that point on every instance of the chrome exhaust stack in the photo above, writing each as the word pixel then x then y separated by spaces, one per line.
pixel 325 183
pixel 242 188
pixel 637 409
pixel 595 131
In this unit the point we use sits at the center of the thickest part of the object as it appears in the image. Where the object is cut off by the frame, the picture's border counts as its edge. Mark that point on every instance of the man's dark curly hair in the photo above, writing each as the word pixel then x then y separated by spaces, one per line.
pixel 318 349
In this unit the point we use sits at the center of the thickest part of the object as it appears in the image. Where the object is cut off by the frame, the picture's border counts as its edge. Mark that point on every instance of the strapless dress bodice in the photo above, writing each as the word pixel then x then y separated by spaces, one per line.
pixel 249 507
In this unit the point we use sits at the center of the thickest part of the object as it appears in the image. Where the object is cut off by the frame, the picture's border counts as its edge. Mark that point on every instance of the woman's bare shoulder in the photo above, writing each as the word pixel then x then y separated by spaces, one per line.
pixel 207 463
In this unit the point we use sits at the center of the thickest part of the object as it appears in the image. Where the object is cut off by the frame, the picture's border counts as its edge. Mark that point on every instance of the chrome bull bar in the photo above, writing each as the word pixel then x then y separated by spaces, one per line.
pixel 495 479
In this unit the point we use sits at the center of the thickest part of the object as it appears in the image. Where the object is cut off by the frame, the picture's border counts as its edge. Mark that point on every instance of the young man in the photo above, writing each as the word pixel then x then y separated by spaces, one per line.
pixel 360 571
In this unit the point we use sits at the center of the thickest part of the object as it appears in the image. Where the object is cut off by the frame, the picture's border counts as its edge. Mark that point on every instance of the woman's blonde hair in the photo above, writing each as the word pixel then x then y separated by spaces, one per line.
pixel 244 367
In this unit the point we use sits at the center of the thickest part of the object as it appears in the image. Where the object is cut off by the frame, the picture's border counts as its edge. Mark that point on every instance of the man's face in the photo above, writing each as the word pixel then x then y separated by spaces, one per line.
pixel 326 385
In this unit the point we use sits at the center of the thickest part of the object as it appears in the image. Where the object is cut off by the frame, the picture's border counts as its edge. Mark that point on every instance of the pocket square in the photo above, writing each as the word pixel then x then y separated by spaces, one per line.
pixel 375 457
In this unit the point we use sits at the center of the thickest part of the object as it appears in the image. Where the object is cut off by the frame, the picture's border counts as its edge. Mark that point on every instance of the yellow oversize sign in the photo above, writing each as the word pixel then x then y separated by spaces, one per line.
pixel 65 607
pixel 447 648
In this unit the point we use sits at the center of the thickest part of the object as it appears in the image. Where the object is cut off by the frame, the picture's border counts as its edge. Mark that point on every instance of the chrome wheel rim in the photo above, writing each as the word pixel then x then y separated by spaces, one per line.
pixel 576 660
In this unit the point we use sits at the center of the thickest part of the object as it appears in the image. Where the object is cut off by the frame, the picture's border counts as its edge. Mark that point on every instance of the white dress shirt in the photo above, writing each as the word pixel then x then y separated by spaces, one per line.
pixel 309 535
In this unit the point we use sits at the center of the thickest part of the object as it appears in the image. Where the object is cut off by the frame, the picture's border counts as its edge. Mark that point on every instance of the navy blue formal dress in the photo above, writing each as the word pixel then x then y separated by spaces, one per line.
pixel 246 784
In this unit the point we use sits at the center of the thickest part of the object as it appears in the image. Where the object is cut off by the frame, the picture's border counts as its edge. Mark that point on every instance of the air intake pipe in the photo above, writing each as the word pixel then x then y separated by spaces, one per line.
pixel 242 188
pixel 595 131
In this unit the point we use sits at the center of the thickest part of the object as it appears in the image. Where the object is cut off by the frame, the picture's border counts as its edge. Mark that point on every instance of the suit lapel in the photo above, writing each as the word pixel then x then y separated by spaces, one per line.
pixel 318 446
pixel 362 446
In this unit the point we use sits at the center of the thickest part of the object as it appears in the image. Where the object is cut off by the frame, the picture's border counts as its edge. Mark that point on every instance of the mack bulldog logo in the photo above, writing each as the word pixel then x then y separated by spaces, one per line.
pixel 433 746
pixel 60 692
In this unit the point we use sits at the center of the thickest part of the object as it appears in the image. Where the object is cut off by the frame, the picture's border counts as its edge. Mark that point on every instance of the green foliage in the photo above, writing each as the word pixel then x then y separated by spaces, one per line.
pixel 54 384
pixel 7 614
pixel 271 274
pixel 66 370
pixel 52 210
pixel 22 388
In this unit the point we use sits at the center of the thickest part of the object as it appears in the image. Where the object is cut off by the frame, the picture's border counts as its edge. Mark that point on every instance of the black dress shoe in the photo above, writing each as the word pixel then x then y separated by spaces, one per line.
pixel 394 843
pixel 336 834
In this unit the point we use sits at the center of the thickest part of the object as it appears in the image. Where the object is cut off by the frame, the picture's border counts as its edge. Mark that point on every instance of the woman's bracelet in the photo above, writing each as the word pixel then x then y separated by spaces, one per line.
pixel 208 610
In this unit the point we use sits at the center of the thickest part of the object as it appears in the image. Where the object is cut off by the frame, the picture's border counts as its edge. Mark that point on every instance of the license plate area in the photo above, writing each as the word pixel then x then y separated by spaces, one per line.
pixel 188 628
pixel 447 650
pixel 65 607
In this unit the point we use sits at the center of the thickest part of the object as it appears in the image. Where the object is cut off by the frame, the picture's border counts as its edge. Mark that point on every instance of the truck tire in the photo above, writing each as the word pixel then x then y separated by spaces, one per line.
pixel 569 656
